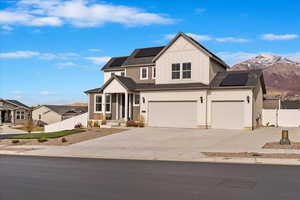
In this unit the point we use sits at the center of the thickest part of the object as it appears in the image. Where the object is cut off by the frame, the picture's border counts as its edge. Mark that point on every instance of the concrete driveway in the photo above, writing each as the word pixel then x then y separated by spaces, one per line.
pixel 171 143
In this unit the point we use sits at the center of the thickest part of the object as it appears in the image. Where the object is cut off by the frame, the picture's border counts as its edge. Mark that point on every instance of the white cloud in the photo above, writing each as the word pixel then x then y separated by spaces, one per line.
pixel 202 38
pixel 45 92
pixel 19 54
pixel 30 54
pixel 98 60
pixel 7 28
pixel 232 39
pixel 17 92
pixel 78 13
pixel 293 56
pixel 271 36
pixel 199 10
pixel 94 50
pixel 66 64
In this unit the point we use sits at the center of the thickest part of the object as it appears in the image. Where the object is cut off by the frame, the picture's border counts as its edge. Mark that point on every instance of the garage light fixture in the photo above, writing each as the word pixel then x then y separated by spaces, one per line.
pixel 248 99
pixel 201 99
pixel 143 99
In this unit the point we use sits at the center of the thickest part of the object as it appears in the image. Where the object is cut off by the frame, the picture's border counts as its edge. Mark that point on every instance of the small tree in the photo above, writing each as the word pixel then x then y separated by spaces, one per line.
pixel 29 125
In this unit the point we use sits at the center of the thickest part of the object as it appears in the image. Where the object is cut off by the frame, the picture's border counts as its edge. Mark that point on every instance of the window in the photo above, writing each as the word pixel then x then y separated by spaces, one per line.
pixel 122 73
pixel 144 73
pixel 98 103
pixel 20 114
pixel 153 72
pixel 107 103
pixel 186 70
pixel 40 116
pixel 176 71
pixel 136 99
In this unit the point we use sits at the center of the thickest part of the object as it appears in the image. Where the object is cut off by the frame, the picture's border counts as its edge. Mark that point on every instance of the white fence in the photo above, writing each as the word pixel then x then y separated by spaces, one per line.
pixel 68 124
pixel 283 117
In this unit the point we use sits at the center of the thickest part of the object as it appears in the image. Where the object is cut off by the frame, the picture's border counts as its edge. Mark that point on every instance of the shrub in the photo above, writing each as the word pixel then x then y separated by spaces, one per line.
pixel 103 122
pixel 28 126
pixel 63 140
pixel 79 125
pixel 131 123
pixel 15 141
pixel 141 122
pixel 90 124
pixel 41 140
pixel 96 124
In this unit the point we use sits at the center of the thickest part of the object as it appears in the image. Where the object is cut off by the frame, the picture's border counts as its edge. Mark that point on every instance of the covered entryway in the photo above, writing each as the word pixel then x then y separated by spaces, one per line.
pixel 172 114
pixel 227 114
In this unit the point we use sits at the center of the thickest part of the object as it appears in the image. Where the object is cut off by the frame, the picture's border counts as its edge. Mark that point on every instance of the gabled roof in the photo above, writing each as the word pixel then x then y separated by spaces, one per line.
pixel 62 109
pixel 143 56
pixel 252 77
pixel 114 63
pixel 16 103
pixel 196 44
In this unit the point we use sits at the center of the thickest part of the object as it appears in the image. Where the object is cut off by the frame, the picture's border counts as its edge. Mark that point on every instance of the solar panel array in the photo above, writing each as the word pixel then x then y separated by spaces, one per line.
pixel 236 79
pixel 118 61
pixel 148 52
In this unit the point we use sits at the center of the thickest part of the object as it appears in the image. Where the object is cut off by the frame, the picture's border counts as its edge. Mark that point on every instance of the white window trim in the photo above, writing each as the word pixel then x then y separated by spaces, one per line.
pixel 110 103
pixel 141 70
pixel 134 104
pixel 20 115
pixel 181 75
pixel 180 72
pixel 154 77
pixel 95 97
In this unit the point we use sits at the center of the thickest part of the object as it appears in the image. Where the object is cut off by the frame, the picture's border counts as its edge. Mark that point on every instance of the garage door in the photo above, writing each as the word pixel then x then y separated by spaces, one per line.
pixel 227 115
pixel 173 114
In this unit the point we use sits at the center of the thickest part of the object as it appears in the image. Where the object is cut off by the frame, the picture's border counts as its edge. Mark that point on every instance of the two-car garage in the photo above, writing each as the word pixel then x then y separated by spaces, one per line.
pixel 223 114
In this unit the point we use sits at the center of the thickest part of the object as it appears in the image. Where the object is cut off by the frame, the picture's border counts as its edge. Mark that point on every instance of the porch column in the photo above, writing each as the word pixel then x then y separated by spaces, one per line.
pixel 117 106
pixel 12 112
pixel 0 116
pixel 126 106
pixel 104 105
pixel 130 107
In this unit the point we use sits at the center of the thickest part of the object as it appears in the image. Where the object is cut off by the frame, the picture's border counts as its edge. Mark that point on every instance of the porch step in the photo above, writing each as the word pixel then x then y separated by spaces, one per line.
pixel 113 123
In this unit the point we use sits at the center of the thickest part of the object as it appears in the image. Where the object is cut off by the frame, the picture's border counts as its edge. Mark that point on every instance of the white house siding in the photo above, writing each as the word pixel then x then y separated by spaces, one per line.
pixel 232 95
pixel 282 118
pixel 107 75
pixel 114 87
pixel 176 96
pixel 48 116
pixel 183 51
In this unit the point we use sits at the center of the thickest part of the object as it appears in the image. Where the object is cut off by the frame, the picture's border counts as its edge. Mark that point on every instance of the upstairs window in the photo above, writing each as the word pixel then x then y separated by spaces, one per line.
pixel 153 72
pixel 144 73
pixel 98 103
pixel 136 99
pixel 186 70
pixel 176 71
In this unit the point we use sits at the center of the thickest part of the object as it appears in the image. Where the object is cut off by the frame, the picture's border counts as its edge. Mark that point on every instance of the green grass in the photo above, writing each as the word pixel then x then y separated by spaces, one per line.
pixel 48 135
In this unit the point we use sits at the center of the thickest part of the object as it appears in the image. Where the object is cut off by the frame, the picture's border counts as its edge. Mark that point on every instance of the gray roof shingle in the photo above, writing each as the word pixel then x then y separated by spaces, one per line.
pixel 61 109
pixel 18 103
pixel 114 63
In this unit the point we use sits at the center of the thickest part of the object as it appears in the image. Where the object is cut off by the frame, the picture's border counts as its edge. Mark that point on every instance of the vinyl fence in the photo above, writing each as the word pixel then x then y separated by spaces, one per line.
pixel 68 124
pixel 282 118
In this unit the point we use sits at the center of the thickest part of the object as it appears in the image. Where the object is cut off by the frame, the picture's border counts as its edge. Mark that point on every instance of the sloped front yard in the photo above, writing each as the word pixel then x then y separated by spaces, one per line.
pixel 59 138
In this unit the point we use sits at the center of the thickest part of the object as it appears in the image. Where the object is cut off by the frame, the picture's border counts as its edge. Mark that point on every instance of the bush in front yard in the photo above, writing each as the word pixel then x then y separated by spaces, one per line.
pixel 29 126
pixel 96 124
pixel 63 140
pixel 41 140
pixel 131 123
pixel 15 141
pixel 79 125
pixel 90 124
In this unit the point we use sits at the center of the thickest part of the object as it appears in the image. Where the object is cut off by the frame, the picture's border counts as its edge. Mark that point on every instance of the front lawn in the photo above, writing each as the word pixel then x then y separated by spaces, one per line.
pixel 48 135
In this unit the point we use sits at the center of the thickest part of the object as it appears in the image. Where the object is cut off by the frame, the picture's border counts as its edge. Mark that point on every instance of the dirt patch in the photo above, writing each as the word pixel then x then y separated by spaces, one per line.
pixel 69 139
pixel 276 145
pixel 252 155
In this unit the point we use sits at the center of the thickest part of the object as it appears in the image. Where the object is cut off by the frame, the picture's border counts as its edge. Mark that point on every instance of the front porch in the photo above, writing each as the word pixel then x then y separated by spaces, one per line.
pixel 7 116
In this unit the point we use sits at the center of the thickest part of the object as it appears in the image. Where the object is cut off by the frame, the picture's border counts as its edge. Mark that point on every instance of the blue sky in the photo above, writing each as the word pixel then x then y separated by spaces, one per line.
pixel 52 50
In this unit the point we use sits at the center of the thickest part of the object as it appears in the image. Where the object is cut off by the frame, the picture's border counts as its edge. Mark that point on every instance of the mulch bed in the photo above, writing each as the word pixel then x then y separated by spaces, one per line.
pixel 70 139
pixel 252 155
pixel 276 145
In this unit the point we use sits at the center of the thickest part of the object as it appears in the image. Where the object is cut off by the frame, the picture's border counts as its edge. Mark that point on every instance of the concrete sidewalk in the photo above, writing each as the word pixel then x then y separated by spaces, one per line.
pixel 173 144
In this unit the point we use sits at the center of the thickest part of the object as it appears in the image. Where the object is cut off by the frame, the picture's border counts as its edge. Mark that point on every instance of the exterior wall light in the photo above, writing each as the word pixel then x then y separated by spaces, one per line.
pixel 248 99
pixel 201 99
pixel 143 99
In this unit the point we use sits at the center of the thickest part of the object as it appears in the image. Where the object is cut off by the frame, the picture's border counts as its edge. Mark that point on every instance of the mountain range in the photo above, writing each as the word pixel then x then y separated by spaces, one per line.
pixel 282 76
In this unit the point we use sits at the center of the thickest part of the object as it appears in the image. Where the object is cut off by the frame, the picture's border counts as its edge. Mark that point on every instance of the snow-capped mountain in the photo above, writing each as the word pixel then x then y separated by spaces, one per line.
pixel 282 76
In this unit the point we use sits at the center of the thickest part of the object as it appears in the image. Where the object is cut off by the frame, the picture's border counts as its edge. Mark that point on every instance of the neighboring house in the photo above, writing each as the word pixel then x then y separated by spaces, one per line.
pixel 294 105
pixel 48 114
pixel 13 112
pixel 276 103
pixel 181 84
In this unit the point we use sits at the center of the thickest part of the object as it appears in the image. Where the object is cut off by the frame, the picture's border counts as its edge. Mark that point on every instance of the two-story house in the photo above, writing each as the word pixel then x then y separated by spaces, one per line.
pixel 181 84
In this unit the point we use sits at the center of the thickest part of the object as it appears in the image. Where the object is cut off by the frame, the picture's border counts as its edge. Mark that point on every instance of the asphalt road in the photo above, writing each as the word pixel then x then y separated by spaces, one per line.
pixel 43 178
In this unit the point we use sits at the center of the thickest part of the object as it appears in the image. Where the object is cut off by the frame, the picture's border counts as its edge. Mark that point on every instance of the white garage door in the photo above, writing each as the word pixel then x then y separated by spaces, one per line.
pixel 227 114
pixel 173 114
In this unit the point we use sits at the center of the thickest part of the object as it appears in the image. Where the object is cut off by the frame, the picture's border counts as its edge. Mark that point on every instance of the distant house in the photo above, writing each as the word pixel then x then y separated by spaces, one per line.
pixel 48 114
pixel 277 103
pixel 290 105
pixel 13 112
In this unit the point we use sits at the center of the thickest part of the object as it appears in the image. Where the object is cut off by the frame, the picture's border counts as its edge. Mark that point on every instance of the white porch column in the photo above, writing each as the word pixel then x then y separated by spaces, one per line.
pixel 0 116
pixel 12 112
pixel 126 106
pixel 103 104
pixel 130 106
pixel 117 106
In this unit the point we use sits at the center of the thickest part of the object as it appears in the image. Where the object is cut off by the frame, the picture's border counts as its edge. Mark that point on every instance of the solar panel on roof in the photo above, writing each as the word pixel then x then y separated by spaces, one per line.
pixel 148 52
pixel 118 61
pixel 239 79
